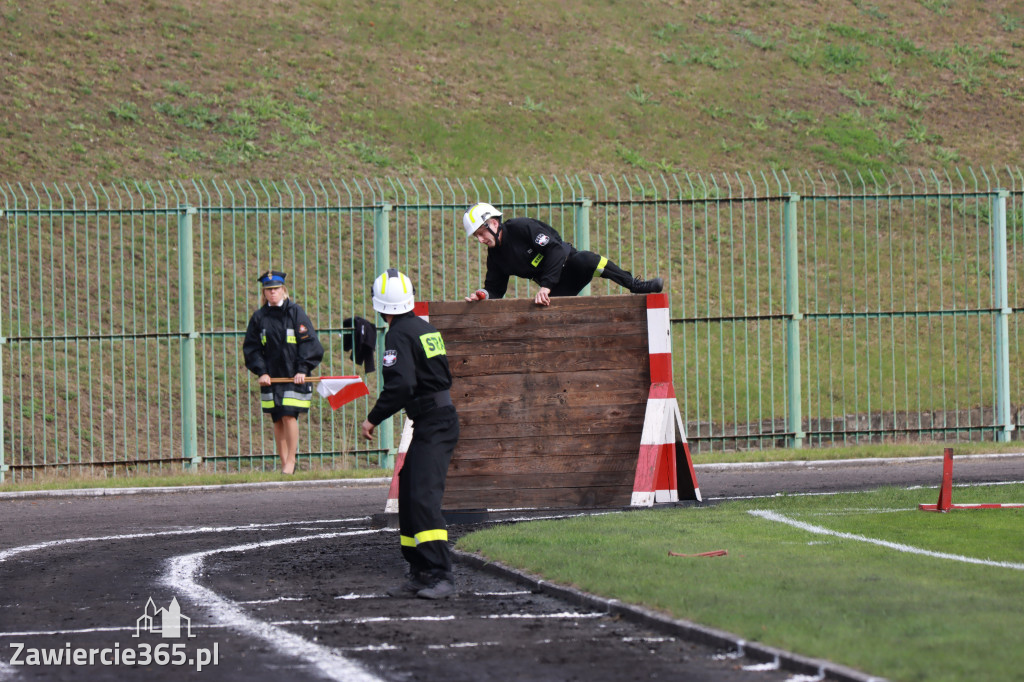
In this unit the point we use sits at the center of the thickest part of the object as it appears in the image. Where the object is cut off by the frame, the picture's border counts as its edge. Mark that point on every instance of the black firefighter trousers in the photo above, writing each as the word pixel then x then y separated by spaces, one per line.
pixel 581 267
pixel 421 526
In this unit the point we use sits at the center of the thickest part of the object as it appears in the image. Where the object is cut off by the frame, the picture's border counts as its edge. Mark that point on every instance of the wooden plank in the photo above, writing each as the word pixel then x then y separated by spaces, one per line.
pixel 567 360
pixel 512 418
pixel 476 332
pixel 512 448
pixel 543 481
pixel 551 400
pixel 492 344
pixel 598 421
pixel 506 306
pixel 510 318
pixel 548 465
pixel 511 403
pixel 575 497
pixel 597 388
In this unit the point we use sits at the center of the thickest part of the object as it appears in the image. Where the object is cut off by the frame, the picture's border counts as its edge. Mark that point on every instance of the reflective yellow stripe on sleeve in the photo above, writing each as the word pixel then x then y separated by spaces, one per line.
pixel 407 541
pixel 599 270
pixel 537 259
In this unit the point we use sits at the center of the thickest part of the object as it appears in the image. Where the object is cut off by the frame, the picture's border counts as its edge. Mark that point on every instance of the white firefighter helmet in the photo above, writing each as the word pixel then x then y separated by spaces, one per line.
pixel 393 293
pixel 476 215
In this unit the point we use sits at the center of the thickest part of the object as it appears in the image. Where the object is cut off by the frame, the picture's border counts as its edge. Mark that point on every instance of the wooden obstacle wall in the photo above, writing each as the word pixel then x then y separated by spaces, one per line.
pixel 551 400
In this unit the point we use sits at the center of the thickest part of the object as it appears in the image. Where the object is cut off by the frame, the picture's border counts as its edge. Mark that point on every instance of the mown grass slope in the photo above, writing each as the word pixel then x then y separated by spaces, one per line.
pixel 101 90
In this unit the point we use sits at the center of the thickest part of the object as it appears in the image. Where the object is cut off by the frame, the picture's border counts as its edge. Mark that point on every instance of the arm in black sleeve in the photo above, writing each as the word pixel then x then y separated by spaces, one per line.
pixel 496 280
pixel 399 380
pixel 311 352
pixel 252 348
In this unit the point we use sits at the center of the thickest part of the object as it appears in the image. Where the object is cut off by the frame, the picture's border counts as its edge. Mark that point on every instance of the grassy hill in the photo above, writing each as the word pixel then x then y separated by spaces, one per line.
pixel 101 90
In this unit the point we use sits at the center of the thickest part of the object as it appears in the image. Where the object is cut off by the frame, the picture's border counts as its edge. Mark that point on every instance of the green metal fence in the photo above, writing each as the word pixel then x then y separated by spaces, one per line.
pixel 807 308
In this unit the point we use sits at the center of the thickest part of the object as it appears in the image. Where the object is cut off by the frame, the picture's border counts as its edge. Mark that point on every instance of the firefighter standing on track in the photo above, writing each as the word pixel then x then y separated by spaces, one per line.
pixel 281 342
pixel 417 379
pixel 525 247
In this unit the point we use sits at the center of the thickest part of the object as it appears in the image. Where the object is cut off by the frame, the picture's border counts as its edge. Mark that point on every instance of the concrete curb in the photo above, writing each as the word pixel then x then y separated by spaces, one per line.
pixel 682 629
pixel 819 463
pixel 349 482
pixel 162 490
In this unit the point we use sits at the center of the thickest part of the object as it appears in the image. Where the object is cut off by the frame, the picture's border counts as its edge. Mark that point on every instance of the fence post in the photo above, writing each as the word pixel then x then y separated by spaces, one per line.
pixel 3 341
pixel 1000 302
pixel 381 262
pixel 582 237
pixel 792 274
pixel 187 328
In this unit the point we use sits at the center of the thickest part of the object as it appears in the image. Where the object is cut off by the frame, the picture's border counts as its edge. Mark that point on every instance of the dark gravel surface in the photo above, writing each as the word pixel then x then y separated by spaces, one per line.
pixel 288 581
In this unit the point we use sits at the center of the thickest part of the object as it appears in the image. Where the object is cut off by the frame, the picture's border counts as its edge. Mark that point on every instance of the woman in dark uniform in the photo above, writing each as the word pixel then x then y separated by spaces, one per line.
pixel 281 342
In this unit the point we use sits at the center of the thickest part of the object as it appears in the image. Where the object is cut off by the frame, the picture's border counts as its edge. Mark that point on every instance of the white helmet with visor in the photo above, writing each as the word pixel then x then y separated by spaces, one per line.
pixel 393 293
pixel 476 215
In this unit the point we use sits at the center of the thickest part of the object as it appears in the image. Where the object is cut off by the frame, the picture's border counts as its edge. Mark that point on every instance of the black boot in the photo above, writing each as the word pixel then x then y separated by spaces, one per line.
pixel 646 286
pixel 414 582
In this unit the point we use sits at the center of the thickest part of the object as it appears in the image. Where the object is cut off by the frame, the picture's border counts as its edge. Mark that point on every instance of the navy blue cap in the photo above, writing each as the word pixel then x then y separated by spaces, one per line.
pixel 271 279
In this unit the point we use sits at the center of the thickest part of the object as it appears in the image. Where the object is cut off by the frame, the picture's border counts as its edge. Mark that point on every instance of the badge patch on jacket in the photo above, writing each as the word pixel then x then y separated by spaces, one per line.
pixel 542 239
pixel 302 329
pixel 390 358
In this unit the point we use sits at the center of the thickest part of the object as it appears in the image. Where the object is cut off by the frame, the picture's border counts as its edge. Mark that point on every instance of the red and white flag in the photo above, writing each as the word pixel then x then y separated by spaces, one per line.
pixel 340 390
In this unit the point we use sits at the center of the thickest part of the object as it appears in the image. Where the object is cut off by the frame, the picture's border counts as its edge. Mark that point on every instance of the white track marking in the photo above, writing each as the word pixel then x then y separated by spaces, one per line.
pixel 762 667
pixel 14 551
pixel 527 616
pixel 270 601
pixel 808 678
pixel 80 631
pixel 414 619
pixel 182 572
pixel 820 530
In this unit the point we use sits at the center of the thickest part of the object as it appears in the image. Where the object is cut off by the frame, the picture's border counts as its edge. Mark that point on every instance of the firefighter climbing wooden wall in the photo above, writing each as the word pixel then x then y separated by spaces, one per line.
pixel 551 400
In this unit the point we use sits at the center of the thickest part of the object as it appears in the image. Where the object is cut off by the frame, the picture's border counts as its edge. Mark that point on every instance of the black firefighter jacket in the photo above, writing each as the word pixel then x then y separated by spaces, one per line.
pixel 280 341
pixel 529 248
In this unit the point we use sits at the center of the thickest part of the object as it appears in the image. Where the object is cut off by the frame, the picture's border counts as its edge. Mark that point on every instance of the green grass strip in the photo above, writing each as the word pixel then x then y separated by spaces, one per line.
pixel 157 480
pixel 899 614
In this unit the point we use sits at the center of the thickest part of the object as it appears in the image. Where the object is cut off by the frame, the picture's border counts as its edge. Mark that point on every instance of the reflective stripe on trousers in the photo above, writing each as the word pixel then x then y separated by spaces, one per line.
pixel 296 399
pixel 424 536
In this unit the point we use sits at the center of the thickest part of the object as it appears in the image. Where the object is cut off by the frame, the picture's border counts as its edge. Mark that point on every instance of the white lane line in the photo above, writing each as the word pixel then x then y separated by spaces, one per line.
pixel 820 530
pixel 460 645
pixel 762 667
pixel 270 601
pixel 14 551
pixel 413 619
pixel 79 631
pixel 527 616
pixel 182 572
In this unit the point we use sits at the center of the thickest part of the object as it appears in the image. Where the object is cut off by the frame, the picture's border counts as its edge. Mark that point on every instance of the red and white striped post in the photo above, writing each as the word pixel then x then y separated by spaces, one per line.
pixel 664 453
